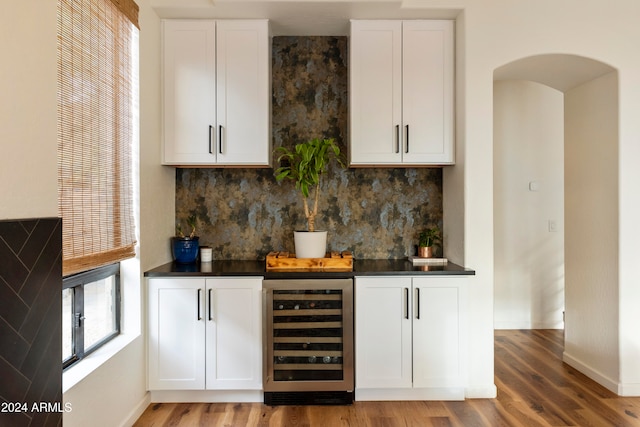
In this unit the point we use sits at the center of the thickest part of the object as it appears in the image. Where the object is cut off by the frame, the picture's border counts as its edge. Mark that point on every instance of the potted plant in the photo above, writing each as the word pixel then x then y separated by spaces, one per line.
pixel 185 247
pixel 427 239
pixel 305 165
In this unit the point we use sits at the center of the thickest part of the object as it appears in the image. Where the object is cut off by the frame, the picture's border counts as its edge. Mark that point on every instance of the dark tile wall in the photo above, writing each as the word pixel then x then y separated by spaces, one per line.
pixel 31 321
pixel 374 212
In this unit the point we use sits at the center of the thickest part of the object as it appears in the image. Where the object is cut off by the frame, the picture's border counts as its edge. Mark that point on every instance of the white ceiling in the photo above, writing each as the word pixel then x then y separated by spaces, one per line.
pixel 302 17
pixel 561 72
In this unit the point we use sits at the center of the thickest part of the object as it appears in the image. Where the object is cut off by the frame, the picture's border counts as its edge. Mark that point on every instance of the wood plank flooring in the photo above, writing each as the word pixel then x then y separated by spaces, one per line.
pixel 534 389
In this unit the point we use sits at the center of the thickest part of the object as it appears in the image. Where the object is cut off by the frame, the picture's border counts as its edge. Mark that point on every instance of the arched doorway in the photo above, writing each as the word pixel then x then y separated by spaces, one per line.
pixel 556 206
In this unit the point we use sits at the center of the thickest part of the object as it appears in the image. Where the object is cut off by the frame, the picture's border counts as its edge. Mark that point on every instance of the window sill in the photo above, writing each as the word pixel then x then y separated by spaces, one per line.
pixel 89 364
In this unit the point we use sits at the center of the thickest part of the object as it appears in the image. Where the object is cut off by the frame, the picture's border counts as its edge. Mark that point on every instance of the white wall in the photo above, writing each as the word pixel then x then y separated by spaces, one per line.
pixel 468 185
pixel 113 395
pixel 529 259
pixel 497 33
pixel 157 183
pixel 28 110
pixel 591 152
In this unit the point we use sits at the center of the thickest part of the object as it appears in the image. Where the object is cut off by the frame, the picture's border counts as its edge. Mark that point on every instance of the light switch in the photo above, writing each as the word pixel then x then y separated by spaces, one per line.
pixel 553 226
pixel 534 186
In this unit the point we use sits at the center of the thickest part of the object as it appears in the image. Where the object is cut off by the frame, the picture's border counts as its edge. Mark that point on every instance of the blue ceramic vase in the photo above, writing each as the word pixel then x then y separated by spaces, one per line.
pixel 185 249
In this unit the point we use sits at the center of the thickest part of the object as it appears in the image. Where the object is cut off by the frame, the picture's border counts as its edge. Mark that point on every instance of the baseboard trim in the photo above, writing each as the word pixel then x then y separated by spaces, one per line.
pixel 487 392
pixel 206 396
pixel 594 374
pixel 516 325
pixel 390 394
pixel 137 411
pixel 629 390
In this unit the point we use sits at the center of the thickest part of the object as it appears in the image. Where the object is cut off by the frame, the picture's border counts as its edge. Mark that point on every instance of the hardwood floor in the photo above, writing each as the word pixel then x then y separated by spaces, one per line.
pixel 534 389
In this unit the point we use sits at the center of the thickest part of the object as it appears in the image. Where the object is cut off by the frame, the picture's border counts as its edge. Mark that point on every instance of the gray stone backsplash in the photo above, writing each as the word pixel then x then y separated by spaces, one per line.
pixel 374 212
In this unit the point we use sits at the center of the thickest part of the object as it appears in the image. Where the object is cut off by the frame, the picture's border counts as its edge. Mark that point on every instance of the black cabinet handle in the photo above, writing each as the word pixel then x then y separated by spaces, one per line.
pixel 210 148
pixel 397 138
pixel 210 316
pixel 406 147
pixel 220 139
pixel 406 303
pixel 199 315
pixel 417 303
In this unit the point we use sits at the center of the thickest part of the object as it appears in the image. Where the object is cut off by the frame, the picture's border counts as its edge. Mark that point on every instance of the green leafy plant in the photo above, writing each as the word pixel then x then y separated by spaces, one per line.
pixel 305 165
pixel 429 237
pixel 191 221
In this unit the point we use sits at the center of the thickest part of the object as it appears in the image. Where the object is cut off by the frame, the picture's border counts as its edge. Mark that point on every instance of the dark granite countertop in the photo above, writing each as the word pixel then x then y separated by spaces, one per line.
pixel 364 267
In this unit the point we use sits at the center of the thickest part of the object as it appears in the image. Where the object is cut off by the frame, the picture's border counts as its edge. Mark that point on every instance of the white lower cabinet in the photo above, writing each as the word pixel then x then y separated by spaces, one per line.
pixel 205 333
pixel 410 338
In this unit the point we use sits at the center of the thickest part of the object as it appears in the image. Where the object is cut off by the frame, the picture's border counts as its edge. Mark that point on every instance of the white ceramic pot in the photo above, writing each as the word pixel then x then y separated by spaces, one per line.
pixel 310 244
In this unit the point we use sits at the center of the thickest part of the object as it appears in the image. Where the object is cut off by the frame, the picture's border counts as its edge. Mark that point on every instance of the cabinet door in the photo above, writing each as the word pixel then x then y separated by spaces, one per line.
pixel 375 92
pixel 383 332
pixel 234 334
pixel 176 334
pixel 189 92
pixel 437 333
pixel 243 92
pixel 427 92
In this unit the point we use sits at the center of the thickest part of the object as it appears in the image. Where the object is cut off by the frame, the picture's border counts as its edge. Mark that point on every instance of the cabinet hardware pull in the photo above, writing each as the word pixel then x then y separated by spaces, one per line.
pixel 418 303
pixel 220 139
pixel 199 315
pixel 406 303
pixel 407 142
pixel 397 138
pixel 210 148
pixel 210 315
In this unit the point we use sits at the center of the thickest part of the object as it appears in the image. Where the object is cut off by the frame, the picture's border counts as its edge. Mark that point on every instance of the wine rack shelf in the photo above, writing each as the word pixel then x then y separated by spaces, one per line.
pixel 309 334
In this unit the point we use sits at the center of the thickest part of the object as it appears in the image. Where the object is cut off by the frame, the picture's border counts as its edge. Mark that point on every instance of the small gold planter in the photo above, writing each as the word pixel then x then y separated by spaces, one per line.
pixel 425 251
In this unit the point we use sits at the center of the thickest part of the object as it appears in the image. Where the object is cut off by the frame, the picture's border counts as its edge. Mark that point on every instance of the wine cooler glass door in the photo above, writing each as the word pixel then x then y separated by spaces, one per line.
pixel 309 330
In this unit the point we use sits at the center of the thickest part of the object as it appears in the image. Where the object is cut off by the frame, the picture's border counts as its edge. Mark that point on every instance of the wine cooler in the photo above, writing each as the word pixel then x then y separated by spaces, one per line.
pixel 309 338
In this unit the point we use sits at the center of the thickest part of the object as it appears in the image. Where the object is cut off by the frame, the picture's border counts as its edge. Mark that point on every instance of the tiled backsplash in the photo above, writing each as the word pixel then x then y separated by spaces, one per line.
pixel 374 212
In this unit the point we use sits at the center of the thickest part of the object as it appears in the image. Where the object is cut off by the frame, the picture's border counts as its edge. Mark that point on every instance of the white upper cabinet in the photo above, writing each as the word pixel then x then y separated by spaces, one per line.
pixel 216 97
pixel 243 93
pixel 189 82
pixel 401 93
pixel 376 92
pixel 427 91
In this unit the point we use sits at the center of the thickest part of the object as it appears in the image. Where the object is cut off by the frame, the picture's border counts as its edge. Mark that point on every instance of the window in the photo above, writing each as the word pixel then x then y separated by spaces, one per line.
pixel 90 310
pixel 97 101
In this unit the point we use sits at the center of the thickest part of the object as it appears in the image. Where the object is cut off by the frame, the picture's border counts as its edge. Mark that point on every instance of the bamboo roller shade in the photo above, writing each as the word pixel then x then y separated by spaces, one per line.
pixel 96 88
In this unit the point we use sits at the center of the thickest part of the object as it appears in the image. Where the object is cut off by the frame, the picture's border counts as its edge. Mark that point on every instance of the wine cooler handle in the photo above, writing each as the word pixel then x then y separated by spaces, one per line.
pixel 199 314
pixel 406 303
pixel 397 138
pixel 210 314
pixel 417 303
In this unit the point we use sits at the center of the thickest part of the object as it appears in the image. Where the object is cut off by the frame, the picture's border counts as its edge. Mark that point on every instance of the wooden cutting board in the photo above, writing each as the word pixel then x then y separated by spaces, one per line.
pixel 333 261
